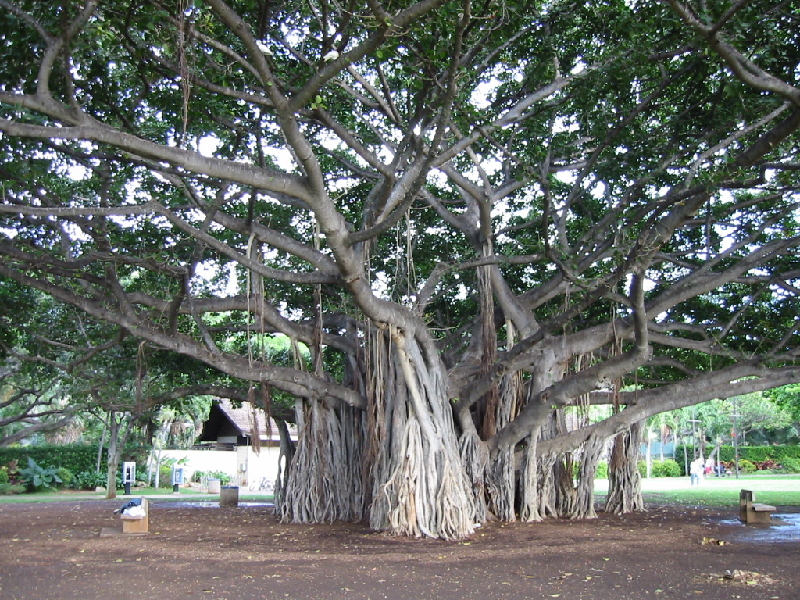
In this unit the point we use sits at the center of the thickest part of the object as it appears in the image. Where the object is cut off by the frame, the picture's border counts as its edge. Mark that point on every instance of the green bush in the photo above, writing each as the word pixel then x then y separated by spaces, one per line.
pixel 165 476
pixel 745 466
pixel 4 475
pixel 790 465
pixel 75 457
pixel 36 477
pixel 601 471
pixel 665 468
pixel 10 489
pixel 223 477
pixel 754 454
pixel 781 453
pixel 67 476
pixel 89 480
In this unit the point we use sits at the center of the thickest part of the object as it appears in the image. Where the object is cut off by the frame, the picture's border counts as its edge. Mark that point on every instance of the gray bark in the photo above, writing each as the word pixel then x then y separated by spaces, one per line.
pixel 624 479
pixel 420 484
pixel 584 504
pixel 325 481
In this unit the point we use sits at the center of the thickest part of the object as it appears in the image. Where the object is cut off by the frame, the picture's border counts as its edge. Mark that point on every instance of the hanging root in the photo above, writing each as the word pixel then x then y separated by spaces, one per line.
pixel 501 485
pixel 584 502
pixel 474 459
pixel 420 485
pixel 529 488
pixel 624 480
pixel 325 482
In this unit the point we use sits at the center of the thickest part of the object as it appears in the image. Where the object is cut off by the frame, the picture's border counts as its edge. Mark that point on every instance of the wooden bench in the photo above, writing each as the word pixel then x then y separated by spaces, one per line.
pixel 137 524
pixel 751 511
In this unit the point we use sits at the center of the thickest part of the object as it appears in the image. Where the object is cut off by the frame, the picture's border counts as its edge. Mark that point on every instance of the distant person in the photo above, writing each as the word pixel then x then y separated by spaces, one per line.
pixel 709 465
pixel 696 470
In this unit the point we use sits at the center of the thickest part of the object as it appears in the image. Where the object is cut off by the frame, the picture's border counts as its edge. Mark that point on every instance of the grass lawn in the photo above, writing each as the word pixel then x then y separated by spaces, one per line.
pixel 779 490
pixel 163 494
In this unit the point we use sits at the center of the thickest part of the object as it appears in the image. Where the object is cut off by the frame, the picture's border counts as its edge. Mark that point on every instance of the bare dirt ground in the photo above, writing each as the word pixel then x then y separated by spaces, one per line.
pixel 54 550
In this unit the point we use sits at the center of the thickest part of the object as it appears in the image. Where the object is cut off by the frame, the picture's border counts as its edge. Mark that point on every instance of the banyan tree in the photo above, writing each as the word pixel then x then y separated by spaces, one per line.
pixel 474 221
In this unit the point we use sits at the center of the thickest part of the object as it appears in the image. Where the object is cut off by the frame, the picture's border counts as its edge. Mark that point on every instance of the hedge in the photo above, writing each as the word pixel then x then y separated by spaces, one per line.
pixel 753 454
pixel 74 457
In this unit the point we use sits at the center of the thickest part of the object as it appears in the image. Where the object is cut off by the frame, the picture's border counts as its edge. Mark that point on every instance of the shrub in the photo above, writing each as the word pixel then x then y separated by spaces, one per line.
pixel 4 478
pixel 666 468
pixel 791 465
pixel 745 466
pixel 9 489
pixel 165 476
pixel 601 471
pixel 89 480
pixel 756 454
pixel 36 477
pixel 75 457
pixel 767 465
pixel 223 477
pixel 67 476
pixel 12 468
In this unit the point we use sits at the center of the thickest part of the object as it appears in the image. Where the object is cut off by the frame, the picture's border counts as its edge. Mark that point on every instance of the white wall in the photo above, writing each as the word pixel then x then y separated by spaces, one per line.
pixel 246 468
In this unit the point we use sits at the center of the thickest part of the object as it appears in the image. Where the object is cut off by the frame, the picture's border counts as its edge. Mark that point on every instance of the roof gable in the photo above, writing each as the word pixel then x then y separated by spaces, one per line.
pixel 226 420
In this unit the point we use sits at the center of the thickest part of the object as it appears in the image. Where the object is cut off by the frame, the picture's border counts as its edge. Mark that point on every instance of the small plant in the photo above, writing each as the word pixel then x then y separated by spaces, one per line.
pixel 767 465
pixel 12 468
pixel 745 466
pixel 10 489
pixel 89 480
pixel 223 477
pixel 790 465
pixel 36 477
pixel 201 476
pixel 67 476
pixel 4 477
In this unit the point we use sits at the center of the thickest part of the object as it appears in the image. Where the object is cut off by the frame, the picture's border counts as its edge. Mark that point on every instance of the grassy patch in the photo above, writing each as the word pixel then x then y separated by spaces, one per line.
pixel 779 490
pixel 700 497
pixel 164 495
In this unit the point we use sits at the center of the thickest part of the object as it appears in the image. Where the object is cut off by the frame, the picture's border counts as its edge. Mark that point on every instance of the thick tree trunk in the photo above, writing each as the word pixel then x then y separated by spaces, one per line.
pixel 420 484
pixel 118 431
pixel 584 503
pixel 325 481
pixel 501 486
pixel 563 480
pixel 624 480
pixel 548 497
pixel 501 478
pixel 285 458
pixel 530 506
pixel 538 497
pixel 475 459
pixel 112 458
pixel 566 494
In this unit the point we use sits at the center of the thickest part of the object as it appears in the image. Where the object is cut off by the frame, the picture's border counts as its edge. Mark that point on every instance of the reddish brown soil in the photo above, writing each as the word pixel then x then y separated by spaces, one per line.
pixel 54 550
